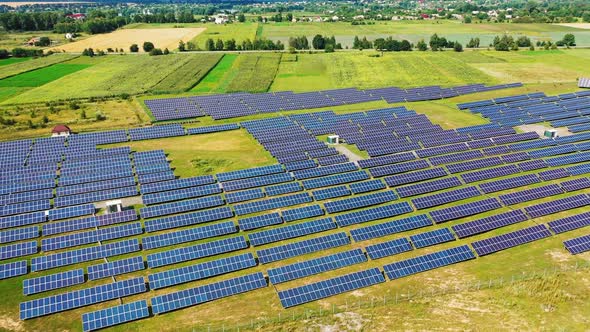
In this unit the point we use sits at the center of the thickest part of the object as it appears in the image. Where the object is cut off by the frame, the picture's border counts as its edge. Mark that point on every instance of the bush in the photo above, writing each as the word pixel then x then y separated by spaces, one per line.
pixel 100 116
pixel 458 47
pixel 43 41
pixel 156 51
pixel 148 46
pixel 4 54
pixel 74 105
pixel 133 48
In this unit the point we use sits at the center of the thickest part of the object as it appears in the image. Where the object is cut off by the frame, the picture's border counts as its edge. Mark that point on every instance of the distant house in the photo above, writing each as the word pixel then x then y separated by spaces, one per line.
pixel 77 16
pixel 61 130
pixel 69 35
pixel 221 19
pixel 33 40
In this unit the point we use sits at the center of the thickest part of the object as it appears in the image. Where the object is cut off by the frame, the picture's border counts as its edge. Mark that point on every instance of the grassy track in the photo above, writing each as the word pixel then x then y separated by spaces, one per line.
pixel 187 76
pixel 214 78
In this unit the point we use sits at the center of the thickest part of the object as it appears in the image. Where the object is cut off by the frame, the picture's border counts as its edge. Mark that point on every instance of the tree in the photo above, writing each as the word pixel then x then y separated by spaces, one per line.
pixel 586 17
pixel 181 46
pixel 210 45
pixel 523 41
pixel 4 54
pixel 289 17
pixel 318 42
pixel 241 18
pixel 473 43
pixel 133 48
pixel 155 51
pixel 43 41
pixel 458 47
pixel 437 43
pixel 219 45
pixel 166 51
pixel 421 45
pixel 569 40
pixel 230 45
pixel 148 46
pixel 329 48
pixel 467 19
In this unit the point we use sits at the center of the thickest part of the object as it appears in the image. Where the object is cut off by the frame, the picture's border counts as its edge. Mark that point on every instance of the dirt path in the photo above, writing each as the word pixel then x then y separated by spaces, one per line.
pixel 540 129
pixel 349 154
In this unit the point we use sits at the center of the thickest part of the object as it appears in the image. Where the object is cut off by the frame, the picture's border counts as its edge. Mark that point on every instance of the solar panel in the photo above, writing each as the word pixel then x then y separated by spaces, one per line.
pixel 360 201
pixel 19 234
pixel 553 174
pixel 305 212
pixel 53 281
pixel 201 271
pixel 80 298
pixel 390 227
pixel 399 168
pixel 115 268
pixel 428 186
pixel 176 184
pixel 103 234
pixel 530 194
pixel 331 180
pixel 388 248
pixel 509 183
pixel 489 223
pixel 417 176
pixel 578 245
pixel 570 223
pixel 184 254
pixel 509 240
pixel 206 293
pixel 557 205
pixel 366 186
pixel 371 214
pixel 332 192
pixel 291 231
pixel 431 238
pixel 84 255
pixel 178 194
pixel 181 206
pixel 71 212
pixel 284 188
pixel 124 313
pixel 260 221
pixel 19 249
pixel 428 262
pixel 490 173
pixel 13 269
pixel 464 210
pixel 326 170
pixel 272 203
pixel 251 172
pixel 576 184
pixel 188 235
pixel 302 247
pixel 315 291
pixel 22 220
pixel 188 219
pixel 429 201
pixel 315 266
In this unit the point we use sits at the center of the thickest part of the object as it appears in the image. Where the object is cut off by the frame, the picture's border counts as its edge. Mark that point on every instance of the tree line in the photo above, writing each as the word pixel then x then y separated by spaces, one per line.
pixel 318 42
pixel 258 44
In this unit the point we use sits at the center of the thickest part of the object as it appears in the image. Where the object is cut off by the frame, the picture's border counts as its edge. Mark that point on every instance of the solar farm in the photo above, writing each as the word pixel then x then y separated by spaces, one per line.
pixel 312 229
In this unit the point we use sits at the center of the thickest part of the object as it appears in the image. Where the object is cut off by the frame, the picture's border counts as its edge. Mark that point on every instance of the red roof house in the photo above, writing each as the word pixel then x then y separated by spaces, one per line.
pixel 60 130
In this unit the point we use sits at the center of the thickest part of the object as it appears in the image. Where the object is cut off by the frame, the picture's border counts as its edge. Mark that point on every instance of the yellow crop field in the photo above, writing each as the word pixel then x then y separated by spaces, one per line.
pixel 162 38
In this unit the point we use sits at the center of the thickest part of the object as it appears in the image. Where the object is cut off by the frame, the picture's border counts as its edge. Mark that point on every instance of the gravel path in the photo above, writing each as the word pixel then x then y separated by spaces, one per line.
pixel 349 154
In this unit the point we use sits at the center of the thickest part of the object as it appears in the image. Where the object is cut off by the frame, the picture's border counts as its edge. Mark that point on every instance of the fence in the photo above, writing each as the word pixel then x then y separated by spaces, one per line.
pixel 399 297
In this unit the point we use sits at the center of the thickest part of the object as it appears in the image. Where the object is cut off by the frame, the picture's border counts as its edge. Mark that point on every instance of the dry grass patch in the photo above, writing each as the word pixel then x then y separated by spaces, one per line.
pixel 162 38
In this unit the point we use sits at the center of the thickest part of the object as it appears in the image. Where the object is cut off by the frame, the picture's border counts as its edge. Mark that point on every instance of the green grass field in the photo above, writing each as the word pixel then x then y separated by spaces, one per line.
pixel 9 61
pixel 416 30
pixel 212 81
pixel 41 76
pixel 25 66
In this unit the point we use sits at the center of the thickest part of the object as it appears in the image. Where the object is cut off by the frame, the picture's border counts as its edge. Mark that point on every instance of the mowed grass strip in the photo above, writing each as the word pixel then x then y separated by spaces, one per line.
pixel 41 76
pixel 214 78
pixel 187 76
pixel 24 66
pixel 10 61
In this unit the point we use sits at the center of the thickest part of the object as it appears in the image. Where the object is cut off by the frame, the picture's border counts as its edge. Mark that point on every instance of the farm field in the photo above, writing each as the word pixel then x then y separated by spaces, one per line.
pixel 212 82
pixel 187 76
pixel 12 39
pixel 414 31
pixel 237 31
pixel 113 76
pixel 42 76
pixel 9 61
pixel 122 39
pixel 24 66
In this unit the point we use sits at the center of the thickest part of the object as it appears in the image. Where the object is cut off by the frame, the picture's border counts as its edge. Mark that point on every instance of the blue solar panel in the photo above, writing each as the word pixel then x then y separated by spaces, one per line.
pixel 576 184
pixel 388 248
pixel 429 201
pixel 431 238
pixel 428 262
pixel 53 281
pixel 331 180
pixel 578 245
pixel 80 298
pixel 399 168
pixel 176 184
pixel 103 234
pixel 84 255
pixel 417 176
pixel 315 291
pixel 530 194
pixel 371 214
pixel 264 220
pixel 509 240
pixel 178 194
pixel 557 205
pixel 115 268
pixel 188 219
pixel 489 223
pixel 13 269
pixel 284 188
pixel 251 172
pixel 196 251
pixel 19 234
pixel 316 266
pixel 22 220
pixel 71 212
pixel 124 313
pixel 464 210
pixel 366 186
pixel 291 231
pixel 18 250
pixel 188 235
pixel 206 293
pixel 390 227
pixel 245 195
pixel 302 247
pixel 182 206
pixel 360 201
pixel 326 170
pixel 328 193
pixel 428 186
pixel 305 212
pixel 570 223
pixel 509 183
pixel 272 203
pixel 201 271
